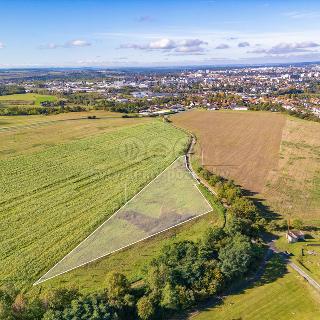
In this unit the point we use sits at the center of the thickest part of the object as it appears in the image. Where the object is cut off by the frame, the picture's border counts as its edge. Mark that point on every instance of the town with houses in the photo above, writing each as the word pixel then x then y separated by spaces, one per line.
pixel 291 88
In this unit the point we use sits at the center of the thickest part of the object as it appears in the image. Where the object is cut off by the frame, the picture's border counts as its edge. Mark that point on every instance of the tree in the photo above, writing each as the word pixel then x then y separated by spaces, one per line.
pixel 243 208
pixel 235 256
pixel 146 308
pixel 52 315
pixel 7 296
pixel 210 242
pixel 60 298
pixel 232 193
pixel 89 307
pixel 35 309
pixel 117 286
pixel 214 179
pixel 186 297
pixel 19 306
pixel 169 298
pixel 118 294
pixel 297 224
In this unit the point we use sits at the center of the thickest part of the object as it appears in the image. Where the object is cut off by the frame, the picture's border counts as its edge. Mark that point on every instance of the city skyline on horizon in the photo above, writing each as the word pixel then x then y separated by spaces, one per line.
pixel 151 34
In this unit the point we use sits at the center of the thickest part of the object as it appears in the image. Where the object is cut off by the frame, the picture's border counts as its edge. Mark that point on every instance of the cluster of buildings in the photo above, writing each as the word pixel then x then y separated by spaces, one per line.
pixel 294 87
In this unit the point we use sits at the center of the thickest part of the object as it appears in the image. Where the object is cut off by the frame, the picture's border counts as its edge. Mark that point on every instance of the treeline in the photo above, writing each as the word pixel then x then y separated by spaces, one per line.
pixel 11 89
pixel 17 110
pixel 265 106
pixel 242 215
pixel 303 113
pixel 184 274
pixel 98 102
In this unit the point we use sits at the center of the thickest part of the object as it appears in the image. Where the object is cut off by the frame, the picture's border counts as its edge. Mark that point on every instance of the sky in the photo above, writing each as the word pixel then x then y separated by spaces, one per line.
pixel 119 33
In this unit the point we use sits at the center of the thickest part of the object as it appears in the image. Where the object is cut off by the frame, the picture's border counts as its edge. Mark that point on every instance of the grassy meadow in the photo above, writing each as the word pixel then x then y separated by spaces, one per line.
pixel 131 261
pixel 28 99
pixel 306 254
pixel 29 134
pixel 293 188
pixel 280 294
pixel 54 197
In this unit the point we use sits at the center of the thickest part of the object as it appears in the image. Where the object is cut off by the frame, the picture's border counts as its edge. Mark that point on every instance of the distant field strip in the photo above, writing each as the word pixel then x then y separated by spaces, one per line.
pixel 53 199
pixel 26 99
pixel 169 200
pixel 52 122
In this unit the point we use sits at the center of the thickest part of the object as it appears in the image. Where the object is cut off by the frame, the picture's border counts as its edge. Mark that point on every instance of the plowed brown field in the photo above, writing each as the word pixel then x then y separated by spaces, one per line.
pixel 243 146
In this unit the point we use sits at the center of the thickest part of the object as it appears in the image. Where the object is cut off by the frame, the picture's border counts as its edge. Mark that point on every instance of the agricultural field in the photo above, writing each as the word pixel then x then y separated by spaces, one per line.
pixel 56 196
pixel 27 99
pixel 240 146
pixel 28 134
pixel 275 156
pixel 278 295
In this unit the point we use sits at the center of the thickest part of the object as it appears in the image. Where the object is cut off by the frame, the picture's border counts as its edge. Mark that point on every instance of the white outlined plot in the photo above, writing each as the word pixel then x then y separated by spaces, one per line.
pixel 172 198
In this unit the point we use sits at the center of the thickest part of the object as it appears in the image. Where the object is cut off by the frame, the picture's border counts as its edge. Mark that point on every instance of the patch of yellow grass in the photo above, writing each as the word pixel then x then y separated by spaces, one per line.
pixel 293 188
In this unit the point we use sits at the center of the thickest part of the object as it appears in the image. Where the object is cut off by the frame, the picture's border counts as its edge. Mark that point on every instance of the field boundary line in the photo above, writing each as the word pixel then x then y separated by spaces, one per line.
pixel 126 246
pixel 98 228
pixel 203 196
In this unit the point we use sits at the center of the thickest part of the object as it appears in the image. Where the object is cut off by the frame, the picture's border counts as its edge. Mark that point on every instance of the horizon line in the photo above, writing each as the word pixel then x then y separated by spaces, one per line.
pixel 160 66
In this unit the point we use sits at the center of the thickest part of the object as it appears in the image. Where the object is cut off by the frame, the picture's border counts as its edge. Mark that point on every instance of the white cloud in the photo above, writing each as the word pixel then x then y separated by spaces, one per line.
pixel 2 45
pixel 78 43
pixel 302 14
pixel 285 48
pixel 222 46
pixel 243 44
pixel 162 44
pixel 70 44
pixel 165 44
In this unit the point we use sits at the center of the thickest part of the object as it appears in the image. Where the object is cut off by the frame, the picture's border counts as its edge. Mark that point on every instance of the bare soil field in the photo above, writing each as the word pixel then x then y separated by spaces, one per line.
pixel 243 146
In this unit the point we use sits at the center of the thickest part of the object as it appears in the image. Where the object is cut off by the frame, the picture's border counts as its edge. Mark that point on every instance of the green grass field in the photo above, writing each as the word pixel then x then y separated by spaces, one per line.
pixel 306 254
pixel 279 295
pixel 29 134
pixel 26 98
pixel 55 197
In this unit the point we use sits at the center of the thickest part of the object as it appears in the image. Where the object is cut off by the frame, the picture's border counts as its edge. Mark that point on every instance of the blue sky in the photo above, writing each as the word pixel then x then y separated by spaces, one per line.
pixel 157 33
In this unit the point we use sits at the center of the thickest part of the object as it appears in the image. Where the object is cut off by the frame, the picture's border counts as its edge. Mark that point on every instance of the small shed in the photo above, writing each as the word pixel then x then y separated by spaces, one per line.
pixel 294 236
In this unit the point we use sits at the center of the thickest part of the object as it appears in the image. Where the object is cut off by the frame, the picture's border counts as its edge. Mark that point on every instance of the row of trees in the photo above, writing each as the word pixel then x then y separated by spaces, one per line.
pixel 46 110
pixel 303 113
pixel 242 215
